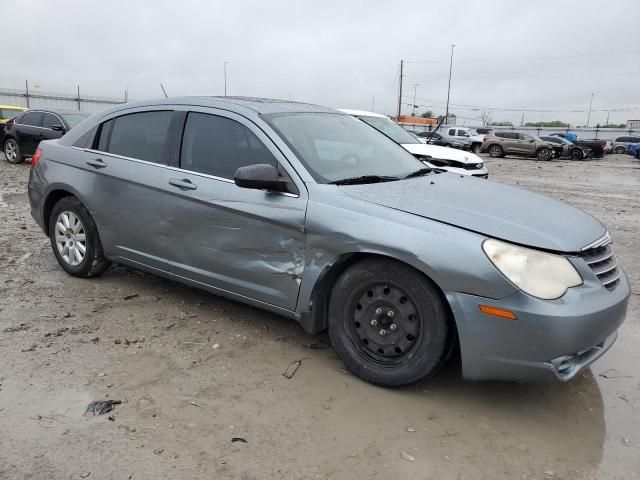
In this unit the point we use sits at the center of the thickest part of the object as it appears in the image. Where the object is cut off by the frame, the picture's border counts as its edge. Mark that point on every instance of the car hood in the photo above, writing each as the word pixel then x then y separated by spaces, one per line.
pixel 446 153
pixel 492 209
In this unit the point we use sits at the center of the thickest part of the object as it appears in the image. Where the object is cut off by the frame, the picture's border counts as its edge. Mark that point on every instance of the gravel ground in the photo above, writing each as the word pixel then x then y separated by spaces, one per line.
pixel 196 372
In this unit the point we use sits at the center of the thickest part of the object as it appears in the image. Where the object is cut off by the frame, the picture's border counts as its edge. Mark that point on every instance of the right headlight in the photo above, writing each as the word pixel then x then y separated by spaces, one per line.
pixel 540 274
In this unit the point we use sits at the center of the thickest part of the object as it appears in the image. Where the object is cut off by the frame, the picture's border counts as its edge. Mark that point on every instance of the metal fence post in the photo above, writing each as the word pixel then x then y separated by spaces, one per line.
pixel 78 97
pixel 26 95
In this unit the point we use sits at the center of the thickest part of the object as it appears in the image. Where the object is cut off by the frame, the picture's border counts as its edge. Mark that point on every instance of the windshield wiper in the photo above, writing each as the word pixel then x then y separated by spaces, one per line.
pixel 420 172
pixel 364 179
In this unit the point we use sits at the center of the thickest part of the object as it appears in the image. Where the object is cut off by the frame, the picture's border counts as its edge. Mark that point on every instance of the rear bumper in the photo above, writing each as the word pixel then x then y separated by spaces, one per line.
pixel 550 340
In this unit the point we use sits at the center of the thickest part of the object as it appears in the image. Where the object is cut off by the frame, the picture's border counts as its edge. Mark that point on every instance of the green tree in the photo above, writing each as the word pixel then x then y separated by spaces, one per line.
pixel 502 123
pixel 427 114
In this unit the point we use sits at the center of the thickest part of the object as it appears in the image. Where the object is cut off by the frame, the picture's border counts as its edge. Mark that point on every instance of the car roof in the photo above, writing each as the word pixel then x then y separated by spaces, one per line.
pixel 361 113
pixel 58 111
pixel 238 104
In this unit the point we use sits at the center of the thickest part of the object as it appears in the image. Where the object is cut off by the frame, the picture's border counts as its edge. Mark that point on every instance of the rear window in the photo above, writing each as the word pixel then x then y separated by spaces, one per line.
pixel 140 135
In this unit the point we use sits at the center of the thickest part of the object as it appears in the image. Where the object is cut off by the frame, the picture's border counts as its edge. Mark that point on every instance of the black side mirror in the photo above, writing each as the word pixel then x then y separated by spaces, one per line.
pixel 260 176
pixel 58 128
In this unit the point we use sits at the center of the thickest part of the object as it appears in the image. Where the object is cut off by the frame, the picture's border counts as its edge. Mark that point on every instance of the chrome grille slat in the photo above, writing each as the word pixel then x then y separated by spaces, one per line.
pixel 603 263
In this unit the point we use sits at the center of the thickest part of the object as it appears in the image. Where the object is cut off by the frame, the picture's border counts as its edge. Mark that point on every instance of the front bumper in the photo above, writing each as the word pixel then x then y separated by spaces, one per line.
pixel 551 339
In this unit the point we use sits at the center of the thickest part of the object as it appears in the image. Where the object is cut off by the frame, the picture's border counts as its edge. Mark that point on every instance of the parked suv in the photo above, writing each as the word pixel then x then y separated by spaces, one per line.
pixel 499 144
pixel 620 144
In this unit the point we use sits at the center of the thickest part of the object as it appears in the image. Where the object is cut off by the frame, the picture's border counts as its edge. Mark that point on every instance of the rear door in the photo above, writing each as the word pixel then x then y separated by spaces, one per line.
pixel 248 242
pixel 29 131
pixel 130 181
pixel 527 144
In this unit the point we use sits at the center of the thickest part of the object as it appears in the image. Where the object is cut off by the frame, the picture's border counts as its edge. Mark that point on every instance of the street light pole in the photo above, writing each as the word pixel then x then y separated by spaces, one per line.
pixel 589 114
pixel 415 87
pixel 225 78
pixel 446 115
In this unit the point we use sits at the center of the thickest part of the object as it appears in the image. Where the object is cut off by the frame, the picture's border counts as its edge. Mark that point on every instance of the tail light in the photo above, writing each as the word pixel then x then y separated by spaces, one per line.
pixel 36 158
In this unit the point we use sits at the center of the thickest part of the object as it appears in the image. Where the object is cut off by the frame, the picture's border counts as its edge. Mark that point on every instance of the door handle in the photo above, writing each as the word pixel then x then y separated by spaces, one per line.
pixel 96 163
pixel 183 184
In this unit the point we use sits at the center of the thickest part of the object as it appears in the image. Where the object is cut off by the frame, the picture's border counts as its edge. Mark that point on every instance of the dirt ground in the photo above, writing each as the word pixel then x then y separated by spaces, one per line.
pixel 196 372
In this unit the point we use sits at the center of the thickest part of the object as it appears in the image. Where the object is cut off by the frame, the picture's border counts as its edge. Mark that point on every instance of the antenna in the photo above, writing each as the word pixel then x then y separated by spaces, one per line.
pixel 164 91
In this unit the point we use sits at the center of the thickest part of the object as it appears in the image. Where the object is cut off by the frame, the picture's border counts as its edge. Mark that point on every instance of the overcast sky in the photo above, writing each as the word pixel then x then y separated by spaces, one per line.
pixel 338 53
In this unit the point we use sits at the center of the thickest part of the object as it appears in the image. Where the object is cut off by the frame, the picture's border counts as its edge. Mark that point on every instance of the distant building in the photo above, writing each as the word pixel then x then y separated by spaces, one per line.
pixel 633 124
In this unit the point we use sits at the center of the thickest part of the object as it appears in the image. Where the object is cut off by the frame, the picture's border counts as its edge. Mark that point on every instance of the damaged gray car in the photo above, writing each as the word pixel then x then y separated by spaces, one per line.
pixel 310 213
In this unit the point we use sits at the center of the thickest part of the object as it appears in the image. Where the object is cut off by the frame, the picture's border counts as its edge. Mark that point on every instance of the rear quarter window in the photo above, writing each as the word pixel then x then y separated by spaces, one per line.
pixel 86 140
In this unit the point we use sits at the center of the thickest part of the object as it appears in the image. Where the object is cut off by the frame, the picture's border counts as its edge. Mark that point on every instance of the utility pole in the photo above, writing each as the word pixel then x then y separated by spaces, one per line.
pixel 589 115
pixel 446 115
pixel 415 87
pixel 225 78
pixel 400 93
pixel 522 120
pixel 607 123
pixel 26 84
pixel 78 97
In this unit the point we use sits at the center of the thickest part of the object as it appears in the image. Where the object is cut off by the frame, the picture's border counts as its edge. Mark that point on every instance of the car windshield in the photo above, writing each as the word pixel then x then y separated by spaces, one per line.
pixel 335 147
pixel 390 128
pixel 74 118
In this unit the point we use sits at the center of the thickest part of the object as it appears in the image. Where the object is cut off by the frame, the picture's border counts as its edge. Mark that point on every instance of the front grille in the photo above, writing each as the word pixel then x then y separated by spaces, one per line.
pixel 472 166
pixel 604 265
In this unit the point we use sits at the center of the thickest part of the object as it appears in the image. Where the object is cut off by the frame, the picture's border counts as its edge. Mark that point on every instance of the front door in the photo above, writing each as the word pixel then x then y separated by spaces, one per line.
pixel 248 242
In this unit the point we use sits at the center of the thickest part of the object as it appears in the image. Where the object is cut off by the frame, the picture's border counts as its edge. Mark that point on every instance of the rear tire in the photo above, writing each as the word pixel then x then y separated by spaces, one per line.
pixel 75 240
pixel 620 149
pixel 388 324
pixel 544 154
pixel 476 147
pixel 496 151
pixel 12 151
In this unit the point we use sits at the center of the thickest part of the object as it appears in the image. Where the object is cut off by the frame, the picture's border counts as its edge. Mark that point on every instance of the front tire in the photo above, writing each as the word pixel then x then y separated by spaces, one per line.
pixel 576 154
pixel 12 151
pixel 544 154
pixel 476 147
pixel 496 151
pixel 74 239
pixel 387 323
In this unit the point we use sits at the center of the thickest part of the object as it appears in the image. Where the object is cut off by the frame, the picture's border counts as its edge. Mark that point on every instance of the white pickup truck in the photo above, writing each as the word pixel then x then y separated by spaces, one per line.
pixel 474 138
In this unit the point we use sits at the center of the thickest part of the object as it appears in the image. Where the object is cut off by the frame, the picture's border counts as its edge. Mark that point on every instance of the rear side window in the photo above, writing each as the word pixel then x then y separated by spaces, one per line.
pixel 33 119
pixel 218 146
pixel 49 120
pixel 500 134
pixel 622 139
pixel 139 135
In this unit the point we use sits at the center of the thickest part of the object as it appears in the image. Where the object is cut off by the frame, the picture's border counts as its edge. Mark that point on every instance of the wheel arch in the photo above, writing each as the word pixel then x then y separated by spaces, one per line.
pixel 315 317
pixel 53 197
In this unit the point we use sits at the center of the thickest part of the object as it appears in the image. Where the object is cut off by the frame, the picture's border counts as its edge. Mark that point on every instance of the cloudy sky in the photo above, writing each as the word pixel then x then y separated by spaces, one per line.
pixel 509 56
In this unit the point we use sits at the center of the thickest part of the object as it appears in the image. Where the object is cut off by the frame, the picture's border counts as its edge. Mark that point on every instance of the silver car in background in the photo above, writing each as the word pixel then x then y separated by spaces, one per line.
pixel 311 213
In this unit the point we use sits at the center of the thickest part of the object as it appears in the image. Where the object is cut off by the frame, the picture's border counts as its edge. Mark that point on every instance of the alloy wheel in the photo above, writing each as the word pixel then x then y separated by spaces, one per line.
pixel 11 150
pixel 71 238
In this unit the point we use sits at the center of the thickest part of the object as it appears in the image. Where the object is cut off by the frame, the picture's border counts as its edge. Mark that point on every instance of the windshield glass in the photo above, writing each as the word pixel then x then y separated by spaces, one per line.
pixel 390 128
pixel 335 146
pixel 74 118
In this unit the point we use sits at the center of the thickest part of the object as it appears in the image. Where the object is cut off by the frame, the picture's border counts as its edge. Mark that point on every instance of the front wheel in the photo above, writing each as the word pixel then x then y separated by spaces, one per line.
pixel 544 154
pixel 387 323
pixel 74 239
pixel 495 151
pixel 12 151
pixel 620 149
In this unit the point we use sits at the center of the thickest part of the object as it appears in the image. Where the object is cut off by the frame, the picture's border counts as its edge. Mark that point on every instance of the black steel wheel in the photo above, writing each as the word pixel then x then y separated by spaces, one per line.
pixel 388 323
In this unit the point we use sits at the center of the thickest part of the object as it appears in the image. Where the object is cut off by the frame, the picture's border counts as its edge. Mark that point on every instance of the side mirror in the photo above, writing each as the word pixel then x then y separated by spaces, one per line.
pixel 260 176
pixel 531 140
pixel 58 128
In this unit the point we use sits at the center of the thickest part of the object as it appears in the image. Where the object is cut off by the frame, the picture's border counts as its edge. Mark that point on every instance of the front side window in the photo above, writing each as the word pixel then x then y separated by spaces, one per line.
pixel 33 119
pixel 218 146
pixel 452 132
pixel 139 135
pixel 334 147
pixel 50 120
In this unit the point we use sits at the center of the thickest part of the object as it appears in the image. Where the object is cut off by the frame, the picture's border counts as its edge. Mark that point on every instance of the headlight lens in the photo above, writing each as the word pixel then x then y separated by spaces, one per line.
pixel 543 275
